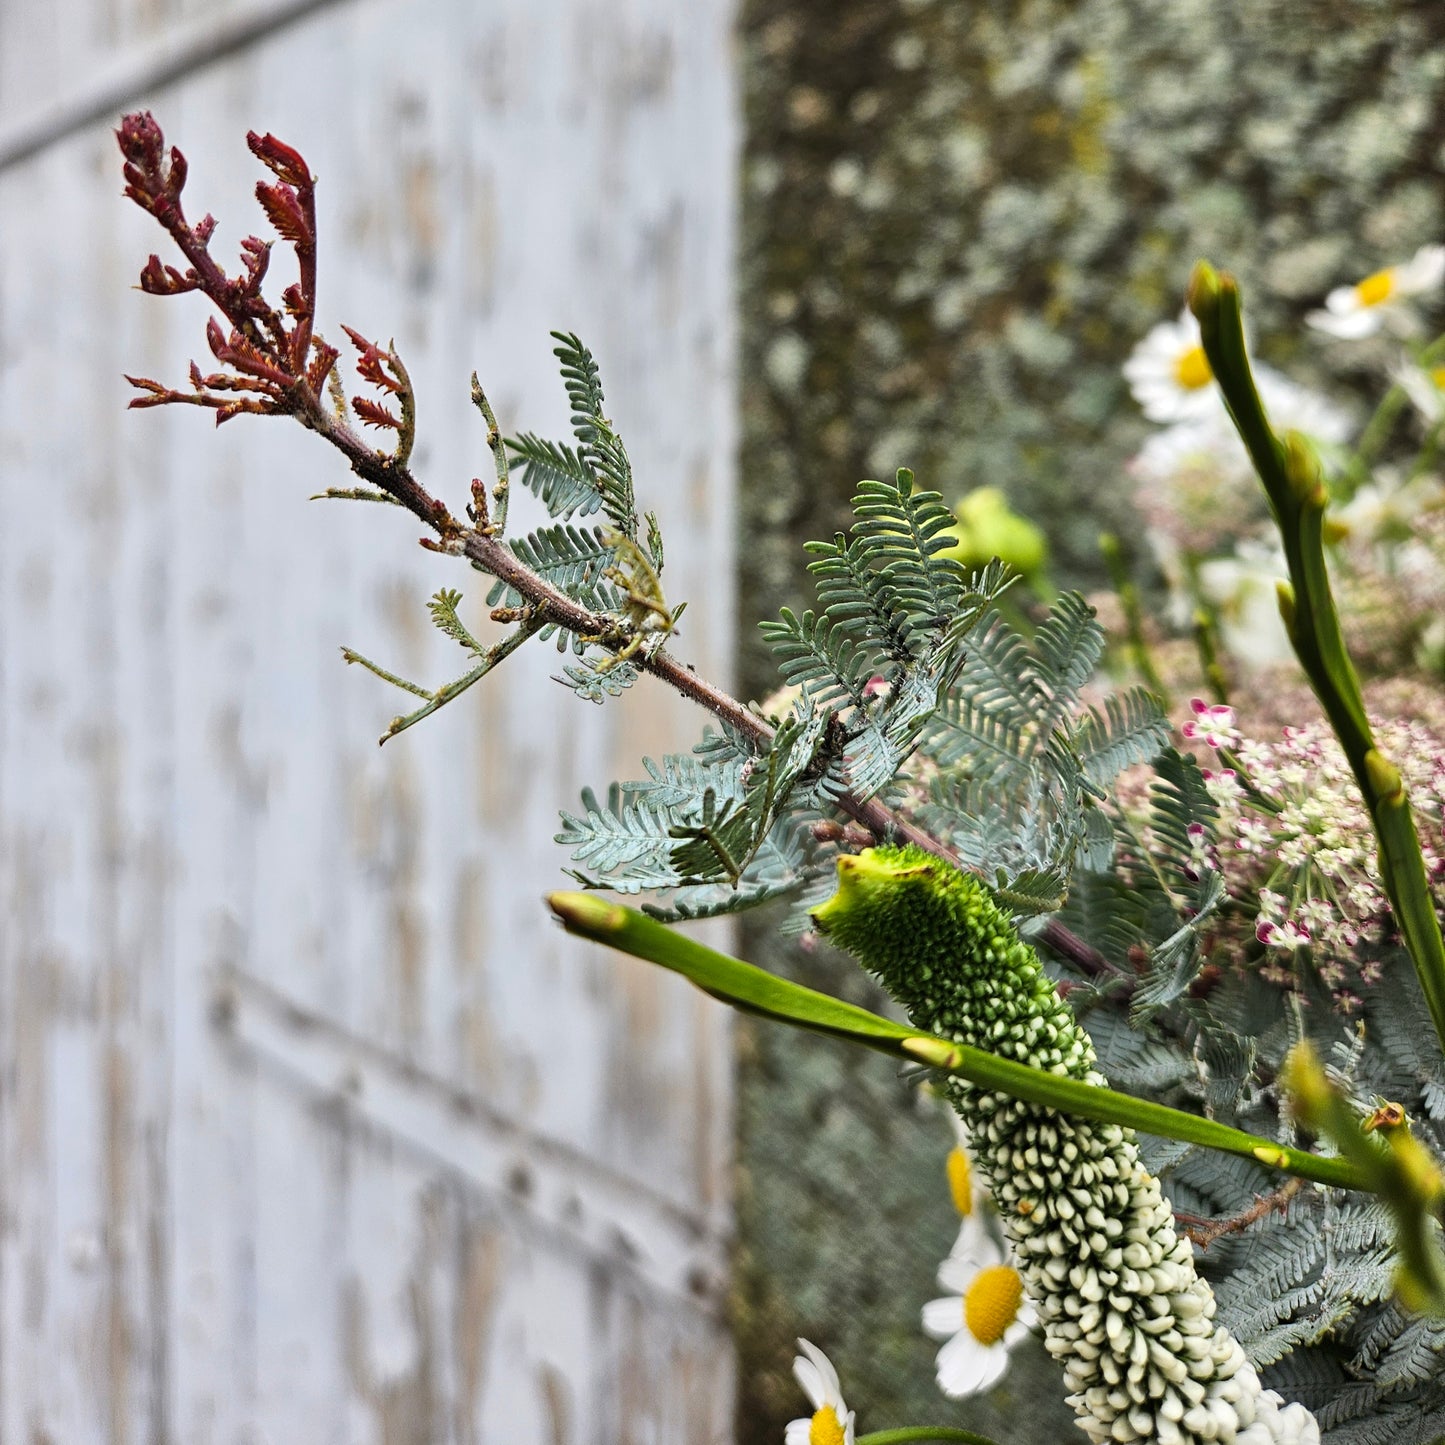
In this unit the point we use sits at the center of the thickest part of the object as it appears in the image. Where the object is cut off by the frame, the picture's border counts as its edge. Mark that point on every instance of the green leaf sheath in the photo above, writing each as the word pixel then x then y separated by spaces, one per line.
pixel 1115 1286
pixel 747 987
pixel 922 1434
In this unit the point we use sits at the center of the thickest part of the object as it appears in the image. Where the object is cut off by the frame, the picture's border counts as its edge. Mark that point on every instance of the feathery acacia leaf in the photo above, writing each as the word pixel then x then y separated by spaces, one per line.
pixel 555 474
pixel 819 654
pixel 598 445
pixel 443 609
pixel 572 559
pixel 1131 729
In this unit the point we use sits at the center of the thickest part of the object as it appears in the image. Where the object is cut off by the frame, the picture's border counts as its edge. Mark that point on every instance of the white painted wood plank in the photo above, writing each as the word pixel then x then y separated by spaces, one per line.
pixel 189 782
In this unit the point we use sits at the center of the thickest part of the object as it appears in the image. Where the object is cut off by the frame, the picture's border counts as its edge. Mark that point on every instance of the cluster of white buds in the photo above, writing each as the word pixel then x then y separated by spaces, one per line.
pixel 1113 1284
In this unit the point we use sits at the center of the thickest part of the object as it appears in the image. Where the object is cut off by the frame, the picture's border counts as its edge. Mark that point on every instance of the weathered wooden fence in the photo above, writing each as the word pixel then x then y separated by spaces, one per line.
pixel 311 1128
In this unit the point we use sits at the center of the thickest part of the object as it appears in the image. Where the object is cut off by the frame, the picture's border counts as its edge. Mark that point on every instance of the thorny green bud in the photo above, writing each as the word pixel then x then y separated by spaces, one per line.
pixel 1284 596
pixel 1302 471
pixel 1384 777
pixel 1115 1286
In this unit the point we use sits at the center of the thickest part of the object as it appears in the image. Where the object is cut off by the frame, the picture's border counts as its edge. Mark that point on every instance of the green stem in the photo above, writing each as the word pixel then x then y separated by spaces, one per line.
pixel 1128 595
pixel 1381 423
pixel 495 654
pixel 416 690
pixel 753 990
pixel 941 1433
pixel 1206 643
pixel 1295 487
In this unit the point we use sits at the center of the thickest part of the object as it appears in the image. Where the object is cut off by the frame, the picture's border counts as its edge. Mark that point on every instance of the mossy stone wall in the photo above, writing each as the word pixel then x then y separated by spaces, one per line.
pixel 958 218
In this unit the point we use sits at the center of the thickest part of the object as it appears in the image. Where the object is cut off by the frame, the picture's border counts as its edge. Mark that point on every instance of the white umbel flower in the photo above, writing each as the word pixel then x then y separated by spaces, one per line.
pixel 1169 373
pixel 831 1422
pixel 1382 299
pixel 982 1319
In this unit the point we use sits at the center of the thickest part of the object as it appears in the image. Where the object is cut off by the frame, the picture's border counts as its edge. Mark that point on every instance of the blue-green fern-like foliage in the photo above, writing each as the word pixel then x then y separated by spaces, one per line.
pixel 733 823
pixel 906 684
pixel 1306 1286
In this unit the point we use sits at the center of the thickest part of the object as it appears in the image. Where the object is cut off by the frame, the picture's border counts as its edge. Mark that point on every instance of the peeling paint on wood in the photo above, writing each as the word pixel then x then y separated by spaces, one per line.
pixel 311 1127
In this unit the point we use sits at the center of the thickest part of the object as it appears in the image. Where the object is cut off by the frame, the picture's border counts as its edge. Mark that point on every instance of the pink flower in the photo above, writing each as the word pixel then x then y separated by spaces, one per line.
pixel 1212 724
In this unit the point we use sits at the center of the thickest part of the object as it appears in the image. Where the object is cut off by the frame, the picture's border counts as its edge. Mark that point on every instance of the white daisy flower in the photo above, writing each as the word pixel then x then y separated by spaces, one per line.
pixel 982 1320
pixel 831 1422
pixel 1293 407
pixel 1382 299
pixel 1169 373
pixel 970 1198
pixel 1244 589
pixel 1425 386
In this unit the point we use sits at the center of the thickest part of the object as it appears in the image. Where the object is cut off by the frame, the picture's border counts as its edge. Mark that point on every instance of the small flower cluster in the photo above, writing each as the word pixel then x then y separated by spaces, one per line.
pixel 1295 843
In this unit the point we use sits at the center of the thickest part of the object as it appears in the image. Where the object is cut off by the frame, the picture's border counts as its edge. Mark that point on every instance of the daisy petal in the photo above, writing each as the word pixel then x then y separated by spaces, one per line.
pixel 966 1367
pixel 806 1374
pixel 1348 326
pixel 943 1317
pixel 961 1267
pixel 1422 272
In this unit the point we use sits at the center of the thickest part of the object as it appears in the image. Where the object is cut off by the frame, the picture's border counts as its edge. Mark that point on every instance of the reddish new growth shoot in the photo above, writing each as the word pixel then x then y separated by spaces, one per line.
pixel 273 362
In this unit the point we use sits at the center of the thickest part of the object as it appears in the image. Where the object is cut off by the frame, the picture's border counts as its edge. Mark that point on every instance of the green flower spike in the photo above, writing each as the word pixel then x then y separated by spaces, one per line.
pixel 1114 1285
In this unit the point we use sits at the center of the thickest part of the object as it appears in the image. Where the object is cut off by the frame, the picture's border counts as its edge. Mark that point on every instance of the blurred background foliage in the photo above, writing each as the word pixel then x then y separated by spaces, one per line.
pixel 957 221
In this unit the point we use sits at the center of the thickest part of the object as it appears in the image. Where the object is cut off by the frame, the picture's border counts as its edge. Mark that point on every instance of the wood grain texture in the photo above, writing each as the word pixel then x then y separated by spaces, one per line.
pixel 311 1127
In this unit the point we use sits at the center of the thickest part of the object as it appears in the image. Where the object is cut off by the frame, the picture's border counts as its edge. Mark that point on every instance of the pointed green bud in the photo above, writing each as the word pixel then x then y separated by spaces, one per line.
pixel 1302 471
pixel 1305 1085
pixel 1385 779
pixel 587 914
pixel 1420 1172
pixel 1203 292
pixel 1411 1294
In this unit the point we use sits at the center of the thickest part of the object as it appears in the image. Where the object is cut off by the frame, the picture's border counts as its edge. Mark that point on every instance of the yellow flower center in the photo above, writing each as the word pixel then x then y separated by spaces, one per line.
pixel 1437 375
pixel 825 1428
pixel 1377 288
pixel 960 1180
pixel 1192 371
pixel 992 1303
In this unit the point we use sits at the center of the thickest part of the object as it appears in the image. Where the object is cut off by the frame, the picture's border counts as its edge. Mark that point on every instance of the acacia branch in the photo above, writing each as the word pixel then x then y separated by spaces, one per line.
pixel 1203 1231
pixel 274 354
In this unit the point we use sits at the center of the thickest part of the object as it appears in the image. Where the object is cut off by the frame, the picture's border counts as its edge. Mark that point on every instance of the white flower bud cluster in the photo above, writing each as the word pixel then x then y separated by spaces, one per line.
pixel 1113 1283
pixel 1115 1287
